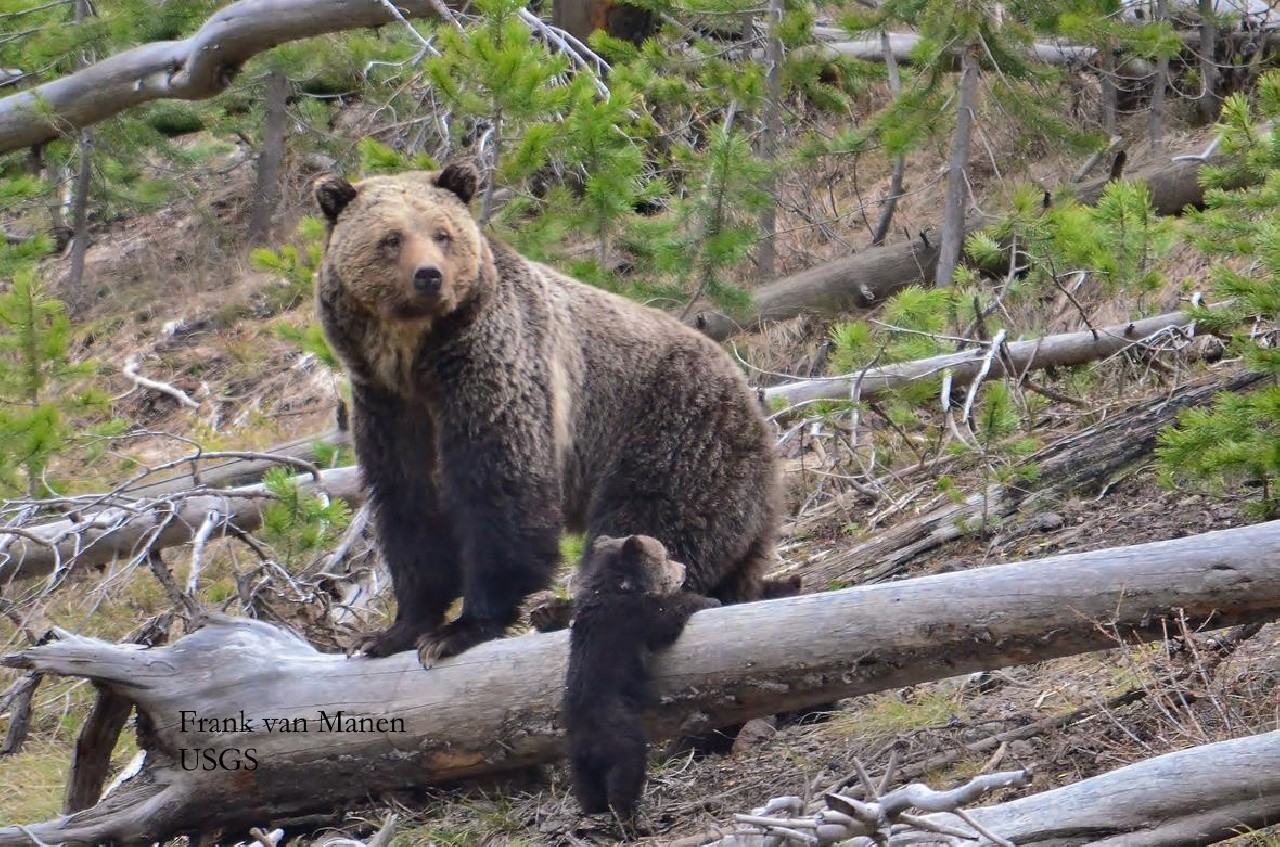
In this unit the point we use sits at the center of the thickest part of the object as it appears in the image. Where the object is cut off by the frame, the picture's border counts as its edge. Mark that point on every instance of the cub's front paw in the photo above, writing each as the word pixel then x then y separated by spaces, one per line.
pixel 457 636
pixel 698 602
pixel 551 613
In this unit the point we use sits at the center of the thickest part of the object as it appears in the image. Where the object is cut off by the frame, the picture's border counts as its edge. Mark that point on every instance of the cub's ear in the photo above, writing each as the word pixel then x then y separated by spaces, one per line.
pixel 333 194
pixel 633 547
pixel 461 178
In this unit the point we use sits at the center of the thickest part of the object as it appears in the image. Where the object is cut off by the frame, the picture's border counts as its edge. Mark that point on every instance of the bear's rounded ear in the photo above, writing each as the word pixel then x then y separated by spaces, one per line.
pixel 333 194
pixel 461 178
pixel 634 546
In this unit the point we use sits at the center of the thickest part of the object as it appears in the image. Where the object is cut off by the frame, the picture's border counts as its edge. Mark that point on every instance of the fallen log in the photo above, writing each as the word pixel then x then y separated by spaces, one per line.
pixel 496 707
pixel 1016 358
pixel 220 473
pixel 132 527
pixel 902 45
pixel 856 283
pixel 1082 463
pixel 865 279
pixel 1195 796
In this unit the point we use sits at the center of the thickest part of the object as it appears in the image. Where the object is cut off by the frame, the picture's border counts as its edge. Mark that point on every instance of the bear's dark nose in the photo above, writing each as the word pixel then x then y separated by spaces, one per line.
pixel 427 279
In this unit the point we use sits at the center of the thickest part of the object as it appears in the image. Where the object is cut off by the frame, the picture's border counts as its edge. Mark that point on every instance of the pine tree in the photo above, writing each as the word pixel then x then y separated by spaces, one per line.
pixel 1238 439
pixel 37 402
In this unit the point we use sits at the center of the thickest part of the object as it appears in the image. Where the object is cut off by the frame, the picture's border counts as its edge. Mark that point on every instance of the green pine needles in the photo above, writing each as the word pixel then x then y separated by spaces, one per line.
pixel 1238 439
pixel 37 405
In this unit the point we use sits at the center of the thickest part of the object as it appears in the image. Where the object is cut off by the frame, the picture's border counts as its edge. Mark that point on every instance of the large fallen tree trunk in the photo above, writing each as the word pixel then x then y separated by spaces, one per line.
pixel 1195 796
pixel 1081 464
pixel 902 45
pixel 97 536
pixel 866 279
pixel 497 706
pixel 1014 358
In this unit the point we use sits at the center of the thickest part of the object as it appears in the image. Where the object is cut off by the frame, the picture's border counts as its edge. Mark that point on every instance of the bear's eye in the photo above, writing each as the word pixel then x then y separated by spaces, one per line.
pixel 443 237
pixel 391 242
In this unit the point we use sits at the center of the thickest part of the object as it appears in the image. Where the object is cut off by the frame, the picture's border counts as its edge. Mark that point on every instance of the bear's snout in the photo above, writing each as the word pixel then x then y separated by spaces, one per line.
pixel 428 279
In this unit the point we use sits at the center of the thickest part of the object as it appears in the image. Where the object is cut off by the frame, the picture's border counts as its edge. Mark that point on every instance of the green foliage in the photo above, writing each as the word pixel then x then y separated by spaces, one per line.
pixel 299 525
pixel 1238 439
pixel 296 266
pixel 1121 241
pixel 37 411
pixel 378 158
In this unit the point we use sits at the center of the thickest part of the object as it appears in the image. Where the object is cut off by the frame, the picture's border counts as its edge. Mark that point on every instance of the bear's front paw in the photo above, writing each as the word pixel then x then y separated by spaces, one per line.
pixel 455 637
pixel 397 638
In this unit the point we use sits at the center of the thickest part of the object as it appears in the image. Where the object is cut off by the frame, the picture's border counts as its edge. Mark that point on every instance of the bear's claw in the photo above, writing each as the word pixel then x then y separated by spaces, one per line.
pixel 395 639
pixel 455 637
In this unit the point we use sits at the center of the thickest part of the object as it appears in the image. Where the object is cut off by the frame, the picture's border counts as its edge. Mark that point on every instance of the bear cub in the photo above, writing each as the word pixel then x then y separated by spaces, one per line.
pixel 629 601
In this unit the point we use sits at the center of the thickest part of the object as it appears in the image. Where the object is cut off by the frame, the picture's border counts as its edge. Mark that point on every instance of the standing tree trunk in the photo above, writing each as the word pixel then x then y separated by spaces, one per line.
pixel 270 157
pixel 1109 93
pixel 1156 122
pixel 766 258
pixel 1208 66
pixel 957 184
pixel 76 299
pixel 899 164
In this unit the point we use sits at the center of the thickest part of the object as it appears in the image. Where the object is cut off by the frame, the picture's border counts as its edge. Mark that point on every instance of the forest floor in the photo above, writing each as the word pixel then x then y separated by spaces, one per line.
pixel 174 292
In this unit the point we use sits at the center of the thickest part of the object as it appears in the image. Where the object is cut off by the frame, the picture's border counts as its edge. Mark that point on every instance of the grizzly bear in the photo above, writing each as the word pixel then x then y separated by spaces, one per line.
pixel 630 601
pixel 496 402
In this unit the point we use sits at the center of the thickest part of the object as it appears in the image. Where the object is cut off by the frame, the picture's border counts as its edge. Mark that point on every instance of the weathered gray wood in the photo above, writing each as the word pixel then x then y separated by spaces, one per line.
pixel 220 473
pixel 1195 796
pixel 1072 348
pixel 496 707
pixel 104 534
pixel 192 69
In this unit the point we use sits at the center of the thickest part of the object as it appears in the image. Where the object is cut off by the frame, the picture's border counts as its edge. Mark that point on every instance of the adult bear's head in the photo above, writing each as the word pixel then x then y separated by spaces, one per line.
pixel 404 247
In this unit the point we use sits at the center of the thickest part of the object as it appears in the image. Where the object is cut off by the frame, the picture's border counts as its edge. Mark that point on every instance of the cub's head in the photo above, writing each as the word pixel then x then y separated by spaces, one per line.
pixel 637 564
pixel 403 247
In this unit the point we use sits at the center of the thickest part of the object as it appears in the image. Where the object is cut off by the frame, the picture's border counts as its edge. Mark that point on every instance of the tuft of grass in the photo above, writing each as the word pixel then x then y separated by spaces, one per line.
pixel 467 822
pixel 33 782
pixel 891 714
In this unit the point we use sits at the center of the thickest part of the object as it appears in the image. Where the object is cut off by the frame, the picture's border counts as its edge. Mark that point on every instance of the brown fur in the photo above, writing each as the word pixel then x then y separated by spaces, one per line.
pixel 629 603
pixel 514 402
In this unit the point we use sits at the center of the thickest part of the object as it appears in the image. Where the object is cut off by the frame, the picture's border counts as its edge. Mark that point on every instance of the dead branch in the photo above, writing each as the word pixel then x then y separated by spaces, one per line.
pixel 1079 464
pixel 780 821
pixel 194 68
pixel 497 707
pixel 1236 787
pixel 130 370
pixel 1018 357
pixel 129 527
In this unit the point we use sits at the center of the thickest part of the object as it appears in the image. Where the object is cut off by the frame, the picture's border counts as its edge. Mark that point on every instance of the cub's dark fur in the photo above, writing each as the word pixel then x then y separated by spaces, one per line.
pixel 629 602
pixel 496 402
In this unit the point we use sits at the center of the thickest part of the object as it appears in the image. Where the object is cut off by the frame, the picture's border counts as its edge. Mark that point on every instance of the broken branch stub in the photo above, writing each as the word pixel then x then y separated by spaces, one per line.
pixel 497 707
